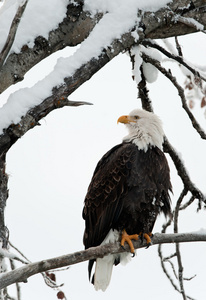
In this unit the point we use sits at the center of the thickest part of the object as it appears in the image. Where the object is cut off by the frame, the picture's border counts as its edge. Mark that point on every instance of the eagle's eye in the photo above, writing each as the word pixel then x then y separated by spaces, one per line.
pixel 136 117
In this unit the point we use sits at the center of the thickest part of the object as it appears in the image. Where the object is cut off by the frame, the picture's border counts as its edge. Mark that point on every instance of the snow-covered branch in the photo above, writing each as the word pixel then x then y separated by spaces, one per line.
pixel 23 273
pixel 57 98
pixel 78 23
pixel 75 26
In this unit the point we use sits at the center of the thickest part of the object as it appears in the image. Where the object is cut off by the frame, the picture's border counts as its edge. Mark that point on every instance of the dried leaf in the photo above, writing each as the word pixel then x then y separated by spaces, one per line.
pixel 60 295
pixel 203 102
pixel 191 104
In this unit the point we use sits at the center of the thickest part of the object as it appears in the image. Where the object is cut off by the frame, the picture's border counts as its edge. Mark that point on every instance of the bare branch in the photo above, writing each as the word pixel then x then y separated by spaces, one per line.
pixel 187 203
pixel 182 172
pixel 180 90
pixel 162 261
pixel 18 287
pixel 177 246
pixel 12 33
pixel 177 58
pixel 27 260
pixel 23 273
pixel 179 49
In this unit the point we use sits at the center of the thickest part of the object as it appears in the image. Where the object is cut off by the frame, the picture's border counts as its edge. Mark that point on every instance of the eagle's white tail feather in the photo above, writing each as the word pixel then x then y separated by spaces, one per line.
pixel 104 266
pixel 103 272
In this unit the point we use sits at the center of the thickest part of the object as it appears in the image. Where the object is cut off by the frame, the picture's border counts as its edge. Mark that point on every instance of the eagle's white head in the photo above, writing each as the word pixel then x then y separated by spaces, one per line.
pixel 145 129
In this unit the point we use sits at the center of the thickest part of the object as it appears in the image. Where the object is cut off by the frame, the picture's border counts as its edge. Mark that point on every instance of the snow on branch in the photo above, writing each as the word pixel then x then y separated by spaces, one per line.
pixel 23 273
pixel 77 24
pixel 42 98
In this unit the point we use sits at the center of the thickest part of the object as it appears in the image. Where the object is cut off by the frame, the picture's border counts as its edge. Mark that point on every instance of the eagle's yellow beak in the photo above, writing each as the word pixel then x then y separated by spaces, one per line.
pixel 126 119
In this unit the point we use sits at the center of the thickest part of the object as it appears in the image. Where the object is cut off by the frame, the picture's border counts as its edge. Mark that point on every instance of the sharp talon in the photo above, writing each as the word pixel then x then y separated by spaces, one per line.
pixel 148 239
pixel 127 238
pixel 133 254
pixel 149 244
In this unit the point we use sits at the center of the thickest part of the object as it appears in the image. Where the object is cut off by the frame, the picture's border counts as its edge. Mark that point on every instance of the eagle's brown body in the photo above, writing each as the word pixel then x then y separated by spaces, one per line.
pixel 129 188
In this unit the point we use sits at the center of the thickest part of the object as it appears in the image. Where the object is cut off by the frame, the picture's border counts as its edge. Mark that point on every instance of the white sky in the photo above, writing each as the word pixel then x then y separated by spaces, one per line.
pixel 51 166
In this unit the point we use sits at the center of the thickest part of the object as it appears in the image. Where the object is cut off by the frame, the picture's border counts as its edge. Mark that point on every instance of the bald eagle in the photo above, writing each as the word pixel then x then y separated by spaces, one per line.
pixel 129 188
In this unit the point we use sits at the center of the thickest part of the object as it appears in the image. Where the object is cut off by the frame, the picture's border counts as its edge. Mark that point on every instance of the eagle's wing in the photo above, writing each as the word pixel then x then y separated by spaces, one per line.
pixel 103 203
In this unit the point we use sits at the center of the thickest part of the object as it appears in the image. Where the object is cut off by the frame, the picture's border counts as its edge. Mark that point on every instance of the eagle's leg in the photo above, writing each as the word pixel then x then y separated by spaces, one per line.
pixel 127 238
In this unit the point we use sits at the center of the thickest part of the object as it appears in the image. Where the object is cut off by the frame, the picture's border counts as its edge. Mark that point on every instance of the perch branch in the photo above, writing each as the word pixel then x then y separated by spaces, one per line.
pixel 23 273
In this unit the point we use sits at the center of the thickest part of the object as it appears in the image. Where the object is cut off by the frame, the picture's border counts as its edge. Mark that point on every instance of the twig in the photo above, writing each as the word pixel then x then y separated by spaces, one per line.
pixel 169 257
pixel 179 49
pixel 179 259
pixel 187 203
pixel 19 252
pixel 12 33
pixel 173 268
pixel 49 281
pixel 180 90
pixel 177 207
pixel 182 172
pixel 165 270
pixel 177 58
pixel 18 287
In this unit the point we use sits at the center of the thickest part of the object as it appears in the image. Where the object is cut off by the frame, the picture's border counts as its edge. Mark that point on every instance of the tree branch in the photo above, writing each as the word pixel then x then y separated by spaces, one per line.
pixel 79 23
pixel 179 58
pixel 73 30
pixel 23 273
pixel 60 93
pixel 180 90
pixel 12 33
pixel 177 246
pixel 182 172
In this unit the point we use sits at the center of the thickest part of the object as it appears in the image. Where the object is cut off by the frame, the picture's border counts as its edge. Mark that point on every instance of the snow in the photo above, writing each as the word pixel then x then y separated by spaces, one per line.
pixel 111 6
pixel 201 231
pixel 5 253
pixel 33 22
pixel 120 19
pixel 150 72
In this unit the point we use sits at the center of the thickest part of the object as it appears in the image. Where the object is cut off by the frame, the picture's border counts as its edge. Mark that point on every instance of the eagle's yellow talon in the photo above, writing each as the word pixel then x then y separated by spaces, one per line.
pixel 127 238
pixel 147 238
